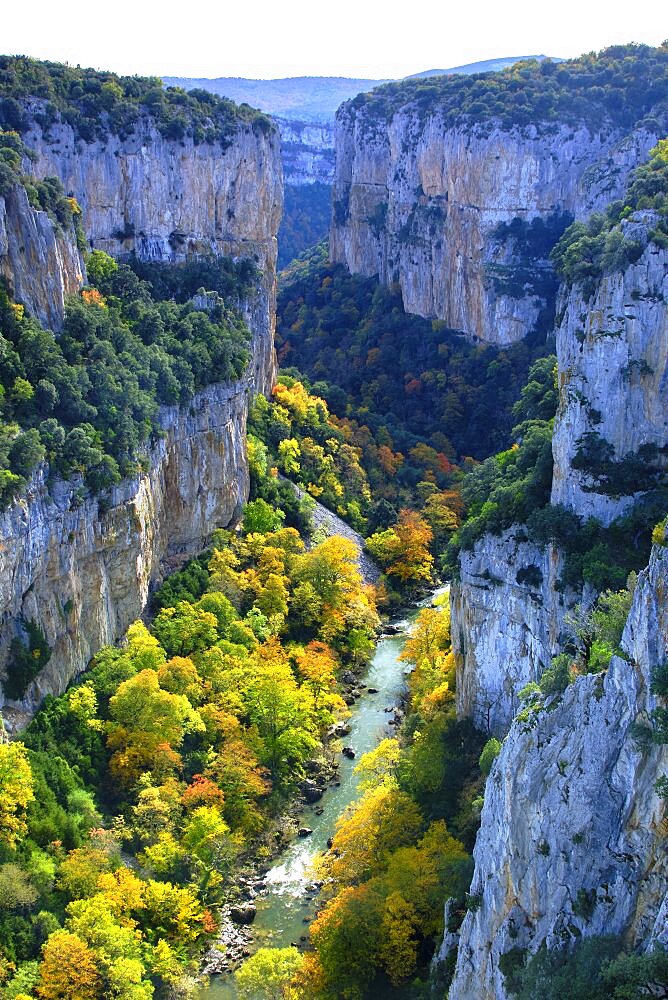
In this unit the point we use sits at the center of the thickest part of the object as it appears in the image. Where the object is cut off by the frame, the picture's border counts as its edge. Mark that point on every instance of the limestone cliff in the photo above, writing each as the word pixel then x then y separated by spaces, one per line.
pixel 572 840
pixel 612 354
pixel 167 199
pixel 446 210
pixel 82 568
pixel 506 613
pixel 38 259
pixel 612 349
pixel 308 151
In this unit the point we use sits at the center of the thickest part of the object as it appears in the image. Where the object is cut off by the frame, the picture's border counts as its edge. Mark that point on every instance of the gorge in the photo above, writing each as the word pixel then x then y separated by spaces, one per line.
pixel 474 377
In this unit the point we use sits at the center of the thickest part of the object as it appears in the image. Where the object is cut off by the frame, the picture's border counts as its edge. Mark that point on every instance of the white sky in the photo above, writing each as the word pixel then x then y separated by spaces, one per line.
pixel 277 38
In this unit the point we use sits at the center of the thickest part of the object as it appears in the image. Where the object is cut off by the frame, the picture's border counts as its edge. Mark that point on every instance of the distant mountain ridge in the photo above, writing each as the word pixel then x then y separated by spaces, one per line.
pixel 313 98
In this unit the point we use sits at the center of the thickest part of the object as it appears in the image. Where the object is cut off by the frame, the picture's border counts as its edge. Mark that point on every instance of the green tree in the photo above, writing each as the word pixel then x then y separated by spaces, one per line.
pixel 266 975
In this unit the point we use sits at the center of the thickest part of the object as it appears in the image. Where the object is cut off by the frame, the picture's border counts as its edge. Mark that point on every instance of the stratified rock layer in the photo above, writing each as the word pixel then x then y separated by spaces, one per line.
pixel 572 840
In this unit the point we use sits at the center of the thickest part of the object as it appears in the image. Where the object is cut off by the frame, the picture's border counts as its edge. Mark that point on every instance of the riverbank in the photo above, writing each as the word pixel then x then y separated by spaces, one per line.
pixel 285 897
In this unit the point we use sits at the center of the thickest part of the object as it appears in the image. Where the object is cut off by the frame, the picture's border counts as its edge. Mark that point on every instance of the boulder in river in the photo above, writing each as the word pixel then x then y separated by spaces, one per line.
pixel 338 730
pixel 349 753
pixel 243 914
pixel 304 831
pixel 310 790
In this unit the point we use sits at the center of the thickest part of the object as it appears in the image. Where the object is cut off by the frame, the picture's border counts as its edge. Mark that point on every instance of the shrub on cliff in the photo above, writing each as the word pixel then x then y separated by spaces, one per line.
pixel 620 86
pixel 613 240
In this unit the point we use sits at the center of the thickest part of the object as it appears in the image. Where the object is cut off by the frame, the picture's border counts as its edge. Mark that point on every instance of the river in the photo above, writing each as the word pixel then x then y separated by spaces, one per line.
pixel 284 908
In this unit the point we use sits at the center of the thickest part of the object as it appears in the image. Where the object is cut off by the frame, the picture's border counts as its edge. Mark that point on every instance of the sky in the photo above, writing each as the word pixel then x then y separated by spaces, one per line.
pixel 360 38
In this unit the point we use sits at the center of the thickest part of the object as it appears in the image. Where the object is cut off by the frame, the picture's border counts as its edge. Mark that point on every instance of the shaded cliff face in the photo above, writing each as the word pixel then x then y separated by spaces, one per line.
pixel 308 151
pixel 613 377
pixel 570 842
pixel 82 569
pixel 506 617
pixel 39 260
pixel 446 211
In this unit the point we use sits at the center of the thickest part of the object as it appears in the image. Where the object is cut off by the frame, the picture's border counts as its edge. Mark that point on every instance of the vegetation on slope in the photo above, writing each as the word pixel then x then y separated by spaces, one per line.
pixel 306 216
pixel 415 397
pixel 612 240
pixel 128 800
pixel 97 104
pixel 311 447
pixel 87 400
pixel 401 848
pixel 620 86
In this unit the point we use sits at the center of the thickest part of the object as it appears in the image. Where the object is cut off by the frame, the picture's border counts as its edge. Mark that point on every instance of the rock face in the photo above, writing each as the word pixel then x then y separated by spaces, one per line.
pixel 40 261
pixel 165 200
pixel 443 210
pixel 308 151
pixel 506 619
pixel 612 353
pixel 83 569
pixel 613 375
pixel 572 827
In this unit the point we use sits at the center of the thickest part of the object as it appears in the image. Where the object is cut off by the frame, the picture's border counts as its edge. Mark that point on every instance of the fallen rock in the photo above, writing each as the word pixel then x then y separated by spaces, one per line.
pixel 304 831
pixel 349 753
pixel 310 790
pixel 243 914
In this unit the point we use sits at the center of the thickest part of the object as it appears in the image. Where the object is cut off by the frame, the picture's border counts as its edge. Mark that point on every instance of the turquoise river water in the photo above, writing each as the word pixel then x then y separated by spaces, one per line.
pixel 284 907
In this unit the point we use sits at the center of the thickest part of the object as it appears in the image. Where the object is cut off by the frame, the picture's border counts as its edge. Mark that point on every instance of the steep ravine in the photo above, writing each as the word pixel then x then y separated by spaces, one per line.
pixel 572 840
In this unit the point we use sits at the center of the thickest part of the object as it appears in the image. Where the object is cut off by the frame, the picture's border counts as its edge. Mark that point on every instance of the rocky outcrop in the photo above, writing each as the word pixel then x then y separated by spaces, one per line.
pixel 507 613
pixel 38 259
pixel 166 199
pixel 572 841
pixel 82 566
pixel 446 210
pixel 612 349
pixel 308 151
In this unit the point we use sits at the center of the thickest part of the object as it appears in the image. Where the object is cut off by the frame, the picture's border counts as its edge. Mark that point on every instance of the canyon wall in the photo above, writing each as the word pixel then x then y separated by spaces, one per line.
pixel 507 613
pixel 445 211
pixel 82 566
pixel 572 840
pixel 39 260
pixel 612 351
pixel 612 355
pixel 308 151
